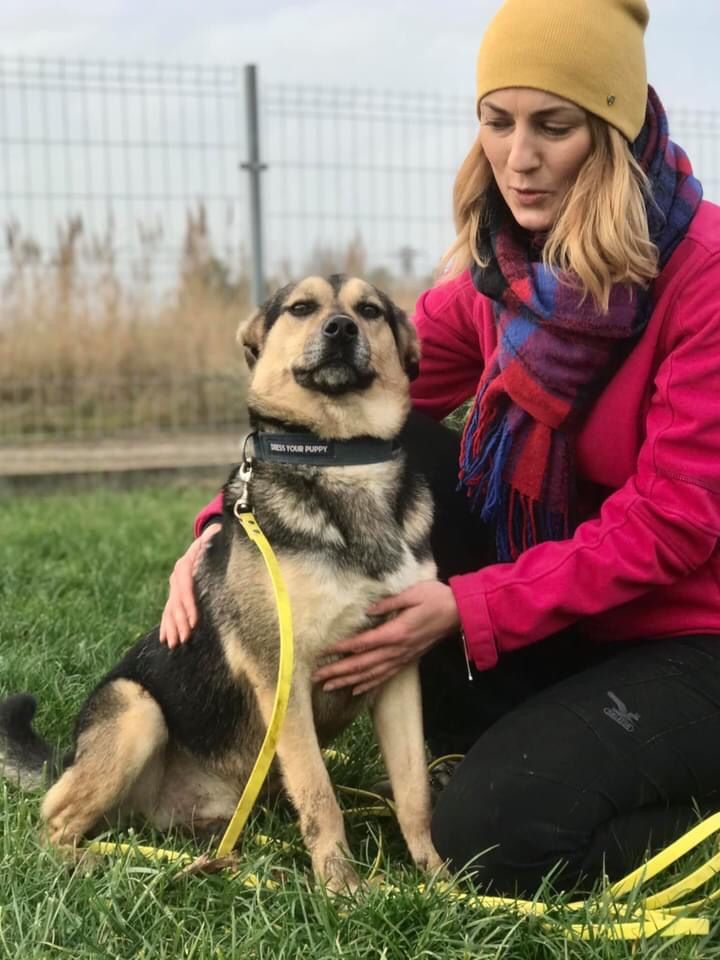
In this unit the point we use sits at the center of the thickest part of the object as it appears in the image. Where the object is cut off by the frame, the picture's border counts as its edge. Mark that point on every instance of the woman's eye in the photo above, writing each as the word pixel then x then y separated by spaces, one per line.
pixel 302 308
pixel 496 124
pixel 556 131
pixel 369 311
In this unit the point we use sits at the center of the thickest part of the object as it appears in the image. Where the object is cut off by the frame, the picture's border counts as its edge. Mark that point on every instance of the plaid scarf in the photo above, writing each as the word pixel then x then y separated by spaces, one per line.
pixel 555 353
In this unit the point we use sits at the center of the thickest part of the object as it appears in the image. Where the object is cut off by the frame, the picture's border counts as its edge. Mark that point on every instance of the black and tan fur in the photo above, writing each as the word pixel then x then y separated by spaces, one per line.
pixel 172 735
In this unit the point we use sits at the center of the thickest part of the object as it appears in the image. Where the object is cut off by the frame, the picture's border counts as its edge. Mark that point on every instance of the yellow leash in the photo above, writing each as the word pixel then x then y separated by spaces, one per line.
pixel 608 916
pixel 282 691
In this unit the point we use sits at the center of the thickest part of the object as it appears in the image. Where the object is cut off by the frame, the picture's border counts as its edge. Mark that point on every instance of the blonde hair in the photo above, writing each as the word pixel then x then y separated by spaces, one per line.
pixel 600 236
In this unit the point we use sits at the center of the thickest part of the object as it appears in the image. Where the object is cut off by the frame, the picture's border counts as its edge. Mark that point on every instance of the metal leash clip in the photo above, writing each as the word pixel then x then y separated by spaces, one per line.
pixel 244 475
pixel 242 504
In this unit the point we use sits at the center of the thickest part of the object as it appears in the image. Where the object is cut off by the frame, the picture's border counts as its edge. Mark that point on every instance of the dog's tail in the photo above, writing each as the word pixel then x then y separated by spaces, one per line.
pixel 25 759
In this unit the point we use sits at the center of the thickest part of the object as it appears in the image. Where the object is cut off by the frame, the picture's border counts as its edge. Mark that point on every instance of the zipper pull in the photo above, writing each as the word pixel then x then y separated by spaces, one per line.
pixel 467 655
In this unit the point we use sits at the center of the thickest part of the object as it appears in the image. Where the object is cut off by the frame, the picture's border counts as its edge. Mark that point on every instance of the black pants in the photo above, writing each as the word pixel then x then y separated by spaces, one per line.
pixel 580 758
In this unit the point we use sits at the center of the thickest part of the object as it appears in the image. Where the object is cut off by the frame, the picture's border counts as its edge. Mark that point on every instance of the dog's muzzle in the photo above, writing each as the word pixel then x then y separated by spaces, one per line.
pixel 336 359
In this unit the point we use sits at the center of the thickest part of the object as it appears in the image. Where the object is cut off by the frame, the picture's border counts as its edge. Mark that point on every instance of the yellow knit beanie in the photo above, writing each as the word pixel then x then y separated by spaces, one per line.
pixel 587 51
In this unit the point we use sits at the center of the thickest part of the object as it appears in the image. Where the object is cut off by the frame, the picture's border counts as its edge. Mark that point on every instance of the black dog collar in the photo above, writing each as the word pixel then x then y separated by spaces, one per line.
pixel 311 450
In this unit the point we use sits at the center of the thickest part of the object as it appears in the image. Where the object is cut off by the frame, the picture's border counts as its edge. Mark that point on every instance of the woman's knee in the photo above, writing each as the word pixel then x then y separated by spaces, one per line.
pixel 509 831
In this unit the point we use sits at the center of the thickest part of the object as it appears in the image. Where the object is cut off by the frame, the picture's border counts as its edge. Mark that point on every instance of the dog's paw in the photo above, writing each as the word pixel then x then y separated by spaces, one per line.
pixel 64 835
pixel 435 865
pixel 338 876
pixel 68 812
pixel 77 858
pixel 87 862
pixel 426 857
pixel 64 832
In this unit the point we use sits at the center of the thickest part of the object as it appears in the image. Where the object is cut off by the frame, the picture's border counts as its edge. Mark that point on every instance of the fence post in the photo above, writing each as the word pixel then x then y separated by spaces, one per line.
pixel 254 167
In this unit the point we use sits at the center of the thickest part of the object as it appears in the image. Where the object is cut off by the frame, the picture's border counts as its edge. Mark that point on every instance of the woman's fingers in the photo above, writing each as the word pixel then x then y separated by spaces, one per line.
pixel 179 617
pixel 175 625
pixel 186 606
pixel 168 631
pixel 382 636
pixel 409 597
pixel 361 668
pixel 426 612
pixel 376 681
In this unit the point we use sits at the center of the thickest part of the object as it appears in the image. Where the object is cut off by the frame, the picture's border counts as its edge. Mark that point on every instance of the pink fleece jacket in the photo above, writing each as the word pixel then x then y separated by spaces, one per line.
pixel 644 562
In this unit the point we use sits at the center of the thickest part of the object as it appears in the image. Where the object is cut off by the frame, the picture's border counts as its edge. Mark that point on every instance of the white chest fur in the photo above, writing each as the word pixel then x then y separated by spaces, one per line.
pixel 330 604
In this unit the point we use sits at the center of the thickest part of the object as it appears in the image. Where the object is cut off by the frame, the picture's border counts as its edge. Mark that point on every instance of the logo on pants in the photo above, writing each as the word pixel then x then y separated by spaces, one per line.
pixel 620 713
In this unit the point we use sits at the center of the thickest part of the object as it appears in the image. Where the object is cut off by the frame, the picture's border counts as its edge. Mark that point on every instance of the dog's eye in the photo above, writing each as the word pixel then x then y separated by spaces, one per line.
pixel 369 311
pixel 302 308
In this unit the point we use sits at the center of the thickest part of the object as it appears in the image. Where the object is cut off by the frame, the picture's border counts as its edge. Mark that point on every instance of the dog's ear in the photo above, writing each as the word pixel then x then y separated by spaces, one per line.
pixel 252 332
pixel 411 353
pixel 250 335
pixel 408 342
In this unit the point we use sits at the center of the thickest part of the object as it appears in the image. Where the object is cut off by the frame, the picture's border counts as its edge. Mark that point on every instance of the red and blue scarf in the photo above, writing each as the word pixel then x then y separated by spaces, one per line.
pixel 555 353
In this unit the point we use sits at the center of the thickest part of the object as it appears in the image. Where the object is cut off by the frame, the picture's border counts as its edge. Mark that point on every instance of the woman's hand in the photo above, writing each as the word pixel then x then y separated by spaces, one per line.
pixel 180 614
pixel 427 613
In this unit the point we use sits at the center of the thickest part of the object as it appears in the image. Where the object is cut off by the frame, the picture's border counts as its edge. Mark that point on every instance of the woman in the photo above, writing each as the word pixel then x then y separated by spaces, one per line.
pixel 581 306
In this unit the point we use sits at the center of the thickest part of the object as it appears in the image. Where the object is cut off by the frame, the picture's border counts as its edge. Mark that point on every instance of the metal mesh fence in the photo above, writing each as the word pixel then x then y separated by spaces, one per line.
pixel 124 207
pixel 128 149
pixel 361 165
pixel 132 149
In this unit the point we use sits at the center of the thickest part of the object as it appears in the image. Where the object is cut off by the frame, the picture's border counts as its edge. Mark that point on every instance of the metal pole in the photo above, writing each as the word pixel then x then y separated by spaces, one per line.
pixel 254 168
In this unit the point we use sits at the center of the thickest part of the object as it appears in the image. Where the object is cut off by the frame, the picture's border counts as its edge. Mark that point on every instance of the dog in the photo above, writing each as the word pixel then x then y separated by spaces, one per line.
pixel 171 735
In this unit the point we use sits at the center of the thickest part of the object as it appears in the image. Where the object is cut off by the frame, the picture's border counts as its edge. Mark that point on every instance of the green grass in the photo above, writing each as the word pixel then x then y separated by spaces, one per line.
pixel 81 577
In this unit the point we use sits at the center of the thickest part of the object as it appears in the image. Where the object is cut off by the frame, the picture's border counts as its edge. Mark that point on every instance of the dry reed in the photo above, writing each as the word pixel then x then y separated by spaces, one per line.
pixel 90 345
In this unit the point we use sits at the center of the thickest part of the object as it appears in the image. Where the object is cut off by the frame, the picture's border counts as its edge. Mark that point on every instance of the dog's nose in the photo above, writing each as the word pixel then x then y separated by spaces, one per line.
pixel 340 327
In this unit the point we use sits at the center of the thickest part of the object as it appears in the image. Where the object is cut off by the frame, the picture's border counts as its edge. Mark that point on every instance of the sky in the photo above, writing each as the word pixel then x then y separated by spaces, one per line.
pixel 427 45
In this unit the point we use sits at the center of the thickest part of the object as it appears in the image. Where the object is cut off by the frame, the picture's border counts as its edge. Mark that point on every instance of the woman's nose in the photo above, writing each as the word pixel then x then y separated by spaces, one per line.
pixel 524 153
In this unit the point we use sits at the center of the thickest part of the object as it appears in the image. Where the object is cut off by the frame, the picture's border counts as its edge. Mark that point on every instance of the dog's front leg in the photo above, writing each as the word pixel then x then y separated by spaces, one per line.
pixel 397 717
pixel 308 784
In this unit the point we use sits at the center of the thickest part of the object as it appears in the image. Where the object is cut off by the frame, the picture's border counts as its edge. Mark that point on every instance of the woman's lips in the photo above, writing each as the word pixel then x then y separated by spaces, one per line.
pixel 529 197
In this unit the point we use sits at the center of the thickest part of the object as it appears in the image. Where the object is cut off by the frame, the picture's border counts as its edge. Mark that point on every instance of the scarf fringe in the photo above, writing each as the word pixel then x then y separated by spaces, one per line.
pixel 483 453
pixel 520 522
pixel 527 523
